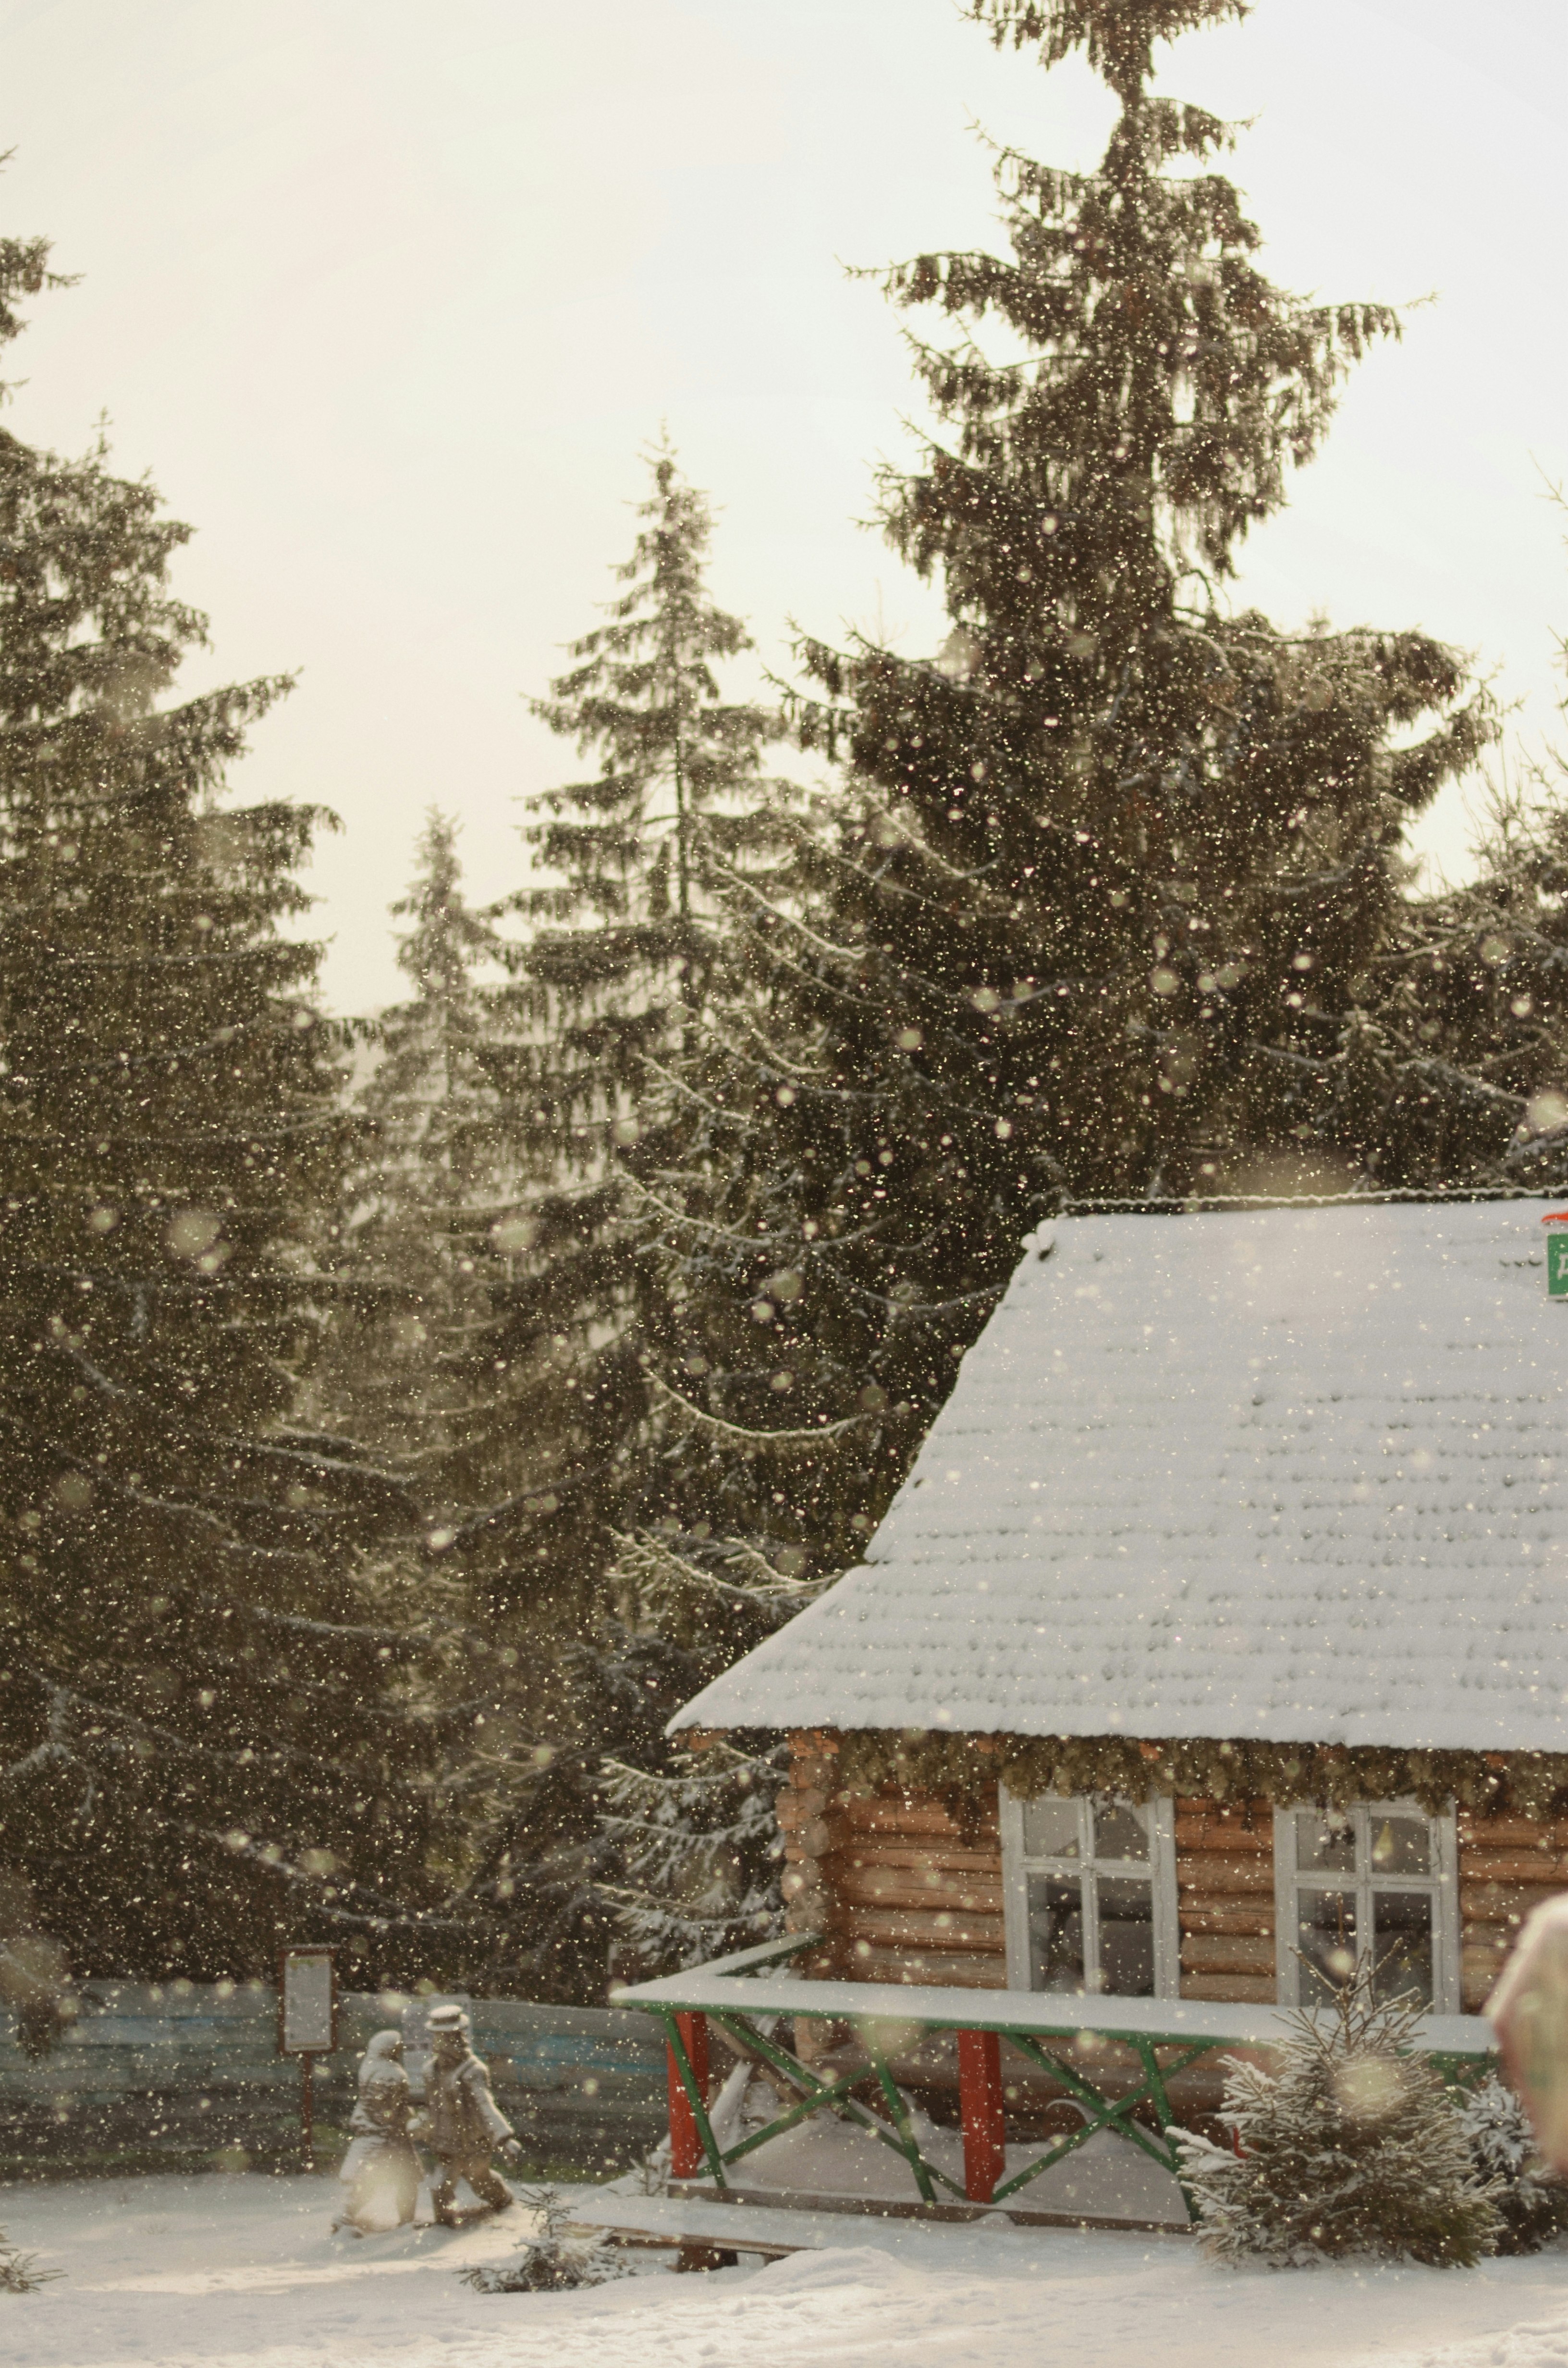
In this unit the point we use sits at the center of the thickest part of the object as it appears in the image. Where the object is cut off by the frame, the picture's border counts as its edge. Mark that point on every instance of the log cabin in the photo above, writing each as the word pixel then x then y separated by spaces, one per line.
pixel 1218 1638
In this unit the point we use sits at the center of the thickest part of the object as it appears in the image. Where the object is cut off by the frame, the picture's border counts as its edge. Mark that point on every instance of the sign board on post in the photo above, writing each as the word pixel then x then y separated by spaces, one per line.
pixel 1556 1254
pixel 307 2026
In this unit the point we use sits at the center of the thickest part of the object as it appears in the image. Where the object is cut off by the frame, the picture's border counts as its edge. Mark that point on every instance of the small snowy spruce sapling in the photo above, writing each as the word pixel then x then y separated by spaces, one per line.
pixel 1352 2147
pixel 554 2258
pixel 1532 2200
pixel 19 2272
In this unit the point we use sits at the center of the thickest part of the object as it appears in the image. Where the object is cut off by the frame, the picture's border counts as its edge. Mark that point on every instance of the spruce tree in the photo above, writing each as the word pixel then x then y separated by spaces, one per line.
pixel 1351 2146
pixel 1176 830
pixel 19 2272
pixel 1100 907
pixel 698 1856
pixel 205 1731
pixel 624 972
pixel 1531 2199
pixel 1099 910
pixel 612 988
pixel 424 1243
pixel 1456 1074
pixel 692 1858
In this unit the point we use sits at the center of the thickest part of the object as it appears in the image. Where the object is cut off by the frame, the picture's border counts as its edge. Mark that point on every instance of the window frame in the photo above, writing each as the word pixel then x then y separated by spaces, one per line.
pixel 1158 1870
pixel 1441 1885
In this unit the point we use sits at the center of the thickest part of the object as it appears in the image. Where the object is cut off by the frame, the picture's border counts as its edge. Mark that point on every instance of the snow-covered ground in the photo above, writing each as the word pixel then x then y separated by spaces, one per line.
pixel 243 2272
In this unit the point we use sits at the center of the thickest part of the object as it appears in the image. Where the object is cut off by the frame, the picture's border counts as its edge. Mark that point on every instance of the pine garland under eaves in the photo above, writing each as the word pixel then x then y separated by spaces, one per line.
pixel 964 1771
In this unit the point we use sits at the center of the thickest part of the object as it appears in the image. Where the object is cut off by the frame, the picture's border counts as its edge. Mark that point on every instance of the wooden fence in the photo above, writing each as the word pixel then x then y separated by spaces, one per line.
pixel 188 2076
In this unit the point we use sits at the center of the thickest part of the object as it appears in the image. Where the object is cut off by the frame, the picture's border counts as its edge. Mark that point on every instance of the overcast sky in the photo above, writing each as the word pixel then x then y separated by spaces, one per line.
pixel 388 296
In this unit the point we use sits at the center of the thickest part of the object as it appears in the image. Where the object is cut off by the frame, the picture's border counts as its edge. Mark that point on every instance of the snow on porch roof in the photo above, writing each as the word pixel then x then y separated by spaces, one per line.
pixel 1298 1474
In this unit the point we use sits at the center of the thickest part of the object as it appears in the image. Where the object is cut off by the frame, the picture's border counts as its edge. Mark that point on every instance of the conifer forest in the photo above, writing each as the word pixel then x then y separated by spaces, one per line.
pixel 404 1412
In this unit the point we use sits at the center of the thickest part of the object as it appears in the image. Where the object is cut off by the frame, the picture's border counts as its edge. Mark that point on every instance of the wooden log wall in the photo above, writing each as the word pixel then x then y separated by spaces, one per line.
pixel 904 1894
pixel 1507 1866
pixel 1224 1855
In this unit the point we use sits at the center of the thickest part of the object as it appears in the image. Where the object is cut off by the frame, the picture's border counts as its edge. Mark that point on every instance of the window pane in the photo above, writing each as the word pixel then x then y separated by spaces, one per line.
pixel 1121 1829
pixel 1127 1936
pixel 1325 1935
pixel 1326 1838
pixel 1402 1943
pixel 1051 1828
pixel 1400 1846
pixel 1056 1933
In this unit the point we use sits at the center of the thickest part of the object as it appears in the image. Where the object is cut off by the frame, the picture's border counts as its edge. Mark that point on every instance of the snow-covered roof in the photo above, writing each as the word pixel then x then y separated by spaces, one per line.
pixel 1300 1474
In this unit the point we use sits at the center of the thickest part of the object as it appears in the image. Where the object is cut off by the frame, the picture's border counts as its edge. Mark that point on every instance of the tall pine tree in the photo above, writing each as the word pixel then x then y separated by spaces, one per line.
pixel 616 983
pixel 426 1227
pixel 623 973
pixel 1100 908
pixel 206 1728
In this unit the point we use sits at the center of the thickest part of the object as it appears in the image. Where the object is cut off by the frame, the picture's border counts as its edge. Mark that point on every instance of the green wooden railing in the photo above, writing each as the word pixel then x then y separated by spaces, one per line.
pixel 746 1995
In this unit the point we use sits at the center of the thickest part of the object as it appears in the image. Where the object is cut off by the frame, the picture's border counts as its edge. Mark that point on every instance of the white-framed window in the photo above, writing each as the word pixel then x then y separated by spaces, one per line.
pixel 1375 1881
pixel 1090 1895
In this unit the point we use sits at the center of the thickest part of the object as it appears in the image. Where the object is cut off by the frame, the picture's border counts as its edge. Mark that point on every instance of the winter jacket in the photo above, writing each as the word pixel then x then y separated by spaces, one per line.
pixel 462 2121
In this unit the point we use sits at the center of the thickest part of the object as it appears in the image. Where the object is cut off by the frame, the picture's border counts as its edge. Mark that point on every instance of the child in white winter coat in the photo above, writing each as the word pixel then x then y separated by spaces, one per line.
pixel 380 2169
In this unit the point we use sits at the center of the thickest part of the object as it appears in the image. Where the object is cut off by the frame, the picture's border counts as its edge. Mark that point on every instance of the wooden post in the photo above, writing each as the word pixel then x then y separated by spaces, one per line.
pixel 686 2157
pixel 307 2114
pixel 307 2026
pixel 979 2108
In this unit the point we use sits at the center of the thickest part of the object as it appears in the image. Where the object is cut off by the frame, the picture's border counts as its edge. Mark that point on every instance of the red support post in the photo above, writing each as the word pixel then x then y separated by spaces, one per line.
pixel 979 2108
pixel 686 2157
